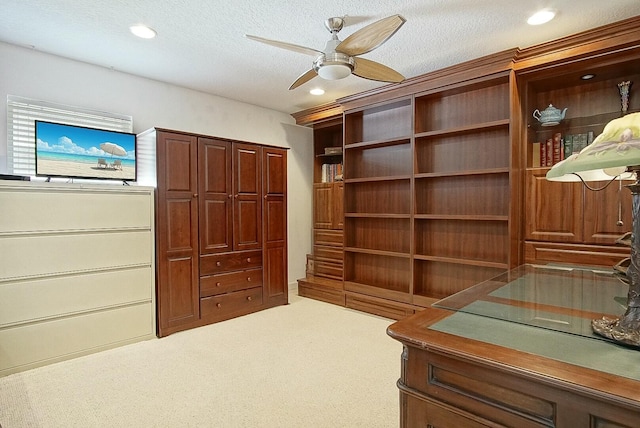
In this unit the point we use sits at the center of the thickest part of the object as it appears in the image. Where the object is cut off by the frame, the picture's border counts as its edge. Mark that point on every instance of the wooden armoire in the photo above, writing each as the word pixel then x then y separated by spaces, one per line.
pixel 221 227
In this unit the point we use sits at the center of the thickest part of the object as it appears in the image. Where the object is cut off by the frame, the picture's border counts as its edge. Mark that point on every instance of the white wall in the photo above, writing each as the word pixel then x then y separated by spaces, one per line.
pixel 28 73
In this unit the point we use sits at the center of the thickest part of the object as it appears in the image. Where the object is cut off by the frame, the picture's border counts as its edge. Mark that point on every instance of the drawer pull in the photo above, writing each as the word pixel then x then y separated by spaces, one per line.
pixel 248 279
pixel 218 305
pixel 218 264
pixel 248 259
pixel 249 298
pixel 218 284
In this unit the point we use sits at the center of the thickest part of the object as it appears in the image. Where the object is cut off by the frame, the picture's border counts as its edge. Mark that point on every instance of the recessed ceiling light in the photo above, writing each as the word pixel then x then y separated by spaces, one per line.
pixel 541 17
pixel 587 76
pixel 143 31
pixel 316 91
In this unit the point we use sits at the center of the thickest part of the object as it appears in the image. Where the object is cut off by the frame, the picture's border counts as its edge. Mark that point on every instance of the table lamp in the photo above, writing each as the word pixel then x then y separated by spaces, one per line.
pixel 614 151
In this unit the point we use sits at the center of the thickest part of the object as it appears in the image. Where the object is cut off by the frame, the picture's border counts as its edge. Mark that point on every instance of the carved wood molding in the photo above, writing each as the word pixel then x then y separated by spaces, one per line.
pixel 317 114
pixel 617 36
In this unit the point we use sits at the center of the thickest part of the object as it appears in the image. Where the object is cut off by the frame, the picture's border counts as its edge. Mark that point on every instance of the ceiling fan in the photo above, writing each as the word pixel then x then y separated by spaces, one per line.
pixel 340 58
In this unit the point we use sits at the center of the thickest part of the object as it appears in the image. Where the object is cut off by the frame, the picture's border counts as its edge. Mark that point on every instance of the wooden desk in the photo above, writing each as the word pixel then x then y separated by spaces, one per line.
pixel 507 356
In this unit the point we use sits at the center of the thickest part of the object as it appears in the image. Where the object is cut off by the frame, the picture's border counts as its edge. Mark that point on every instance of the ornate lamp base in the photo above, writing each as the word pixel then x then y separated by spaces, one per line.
pixel 626 329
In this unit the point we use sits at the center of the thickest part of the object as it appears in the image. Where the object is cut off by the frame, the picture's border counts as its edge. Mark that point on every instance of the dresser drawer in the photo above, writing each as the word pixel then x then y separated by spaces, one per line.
pixel 332 237
pixel 329 254
pixel 227 262
pixel 485 392
pixel 329 270
pixel 426 413
pixel 225 305
pixel 227 282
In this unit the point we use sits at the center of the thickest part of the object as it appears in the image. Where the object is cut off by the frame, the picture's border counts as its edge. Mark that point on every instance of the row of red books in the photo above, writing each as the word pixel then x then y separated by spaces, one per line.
pixel 559 147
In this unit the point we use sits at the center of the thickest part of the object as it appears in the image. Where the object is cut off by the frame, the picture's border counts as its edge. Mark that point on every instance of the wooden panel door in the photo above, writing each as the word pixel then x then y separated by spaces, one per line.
pixel 275 226
pixel 553 209
pixel 216 196
pixel 328 203
pixel 177 232
pixel 607 213
pixel 323 209
pixel 247 204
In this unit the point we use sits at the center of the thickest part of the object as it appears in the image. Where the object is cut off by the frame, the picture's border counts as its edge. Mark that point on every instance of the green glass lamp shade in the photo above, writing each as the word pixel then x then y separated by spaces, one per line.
pixel 608 156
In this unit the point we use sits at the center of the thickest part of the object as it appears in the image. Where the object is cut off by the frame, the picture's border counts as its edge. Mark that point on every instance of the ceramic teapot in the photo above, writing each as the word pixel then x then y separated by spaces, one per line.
pixel 550 115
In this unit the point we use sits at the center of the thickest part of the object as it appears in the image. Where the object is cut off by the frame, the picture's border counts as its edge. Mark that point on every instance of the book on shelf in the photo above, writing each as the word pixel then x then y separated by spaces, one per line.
pixel 567 143
pixel 549 152
pixel 559 147
pixel 558 150
pixel 543 153
pixel 331 172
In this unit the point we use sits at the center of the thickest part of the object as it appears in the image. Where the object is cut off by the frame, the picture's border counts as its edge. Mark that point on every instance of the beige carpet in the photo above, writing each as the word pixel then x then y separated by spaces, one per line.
pixel 308 364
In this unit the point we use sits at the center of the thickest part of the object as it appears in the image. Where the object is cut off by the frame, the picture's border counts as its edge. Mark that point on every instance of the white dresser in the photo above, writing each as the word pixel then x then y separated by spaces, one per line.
pixel 76 270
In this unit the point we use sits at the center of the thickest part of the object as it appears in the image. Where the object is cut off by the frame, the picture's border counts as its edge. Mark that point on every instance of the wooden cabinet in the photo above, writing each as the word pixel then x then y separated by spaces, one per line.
pixel 328 212
pixel 230 196
pixel 221 227
pixel 568 222
pixel 325 279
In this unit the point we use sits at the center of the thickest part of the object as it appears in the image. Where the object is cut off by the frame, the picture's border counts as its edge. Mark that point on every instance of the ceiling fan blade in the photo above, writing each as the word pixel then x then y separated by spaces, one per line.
pixel 285 45
pixel 303 79
pixel 370 37
pixel 375 71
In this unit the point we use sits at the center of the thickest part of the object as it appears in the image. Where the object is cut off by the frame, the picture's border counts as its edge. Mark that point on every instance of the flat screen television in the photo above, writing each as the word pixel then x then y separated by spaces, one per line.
pixel 79 152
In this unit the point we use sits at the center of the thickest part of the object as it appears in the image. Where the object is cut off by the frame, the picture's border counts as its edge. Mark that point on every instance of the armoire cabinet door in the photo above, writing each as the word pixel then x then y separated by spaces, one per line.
pixel 275 226
pixel 216 196
pixel 247 205
pixel 177 232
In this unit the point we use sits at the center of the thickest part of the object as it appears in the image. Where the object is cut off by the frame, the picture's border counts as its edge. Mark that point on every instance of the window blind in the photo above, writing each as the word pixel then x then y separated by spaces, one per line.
pixel 22 114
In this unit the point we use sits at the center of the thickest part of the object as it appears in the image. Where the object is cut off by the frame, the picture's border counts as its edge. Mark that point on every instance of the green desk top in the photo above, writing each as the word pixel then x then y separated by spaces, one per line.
pixel 545 311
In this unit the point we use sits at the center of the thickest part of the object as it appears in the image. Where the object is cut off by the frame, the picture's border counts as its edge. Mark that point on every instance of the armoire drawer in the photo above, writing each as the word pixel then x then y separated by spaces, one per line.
pixel 224 305
pixel 227 282
pixel 227 262
pixel 331 237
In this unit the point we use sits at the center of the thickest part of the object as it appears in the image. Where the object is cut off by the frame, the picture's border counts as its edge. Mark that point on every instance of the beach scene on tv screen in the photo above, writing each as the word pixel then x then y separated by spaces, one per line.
pixel 68 151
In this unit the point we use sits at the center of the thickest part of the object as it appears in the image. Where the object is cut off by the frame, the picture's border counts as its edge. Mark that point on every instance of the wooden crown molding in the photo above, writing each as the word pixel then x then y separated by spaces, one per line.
pixel 465 71
pixel 317 114
pixel 618 35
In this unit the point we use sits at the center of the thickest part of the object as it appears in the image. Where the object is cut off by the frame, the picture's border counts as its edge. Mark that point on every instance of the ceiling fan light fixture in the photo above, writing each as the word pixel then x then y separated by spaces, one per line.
pixel 334 71
pixel 334 66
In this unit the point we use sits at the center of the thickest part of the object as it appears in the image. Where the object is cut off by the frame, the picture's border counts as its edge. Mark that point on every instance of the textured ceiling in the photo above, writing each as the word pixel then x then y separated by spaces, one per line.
pixel 201 43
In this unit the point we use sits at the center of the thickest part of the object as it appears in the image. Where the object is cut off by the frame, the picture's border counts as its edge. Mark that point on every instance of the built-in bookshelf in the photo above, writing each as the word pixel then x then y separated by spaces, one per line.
pixel 462 187
pixel 556 227
pixel 378 203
